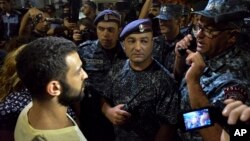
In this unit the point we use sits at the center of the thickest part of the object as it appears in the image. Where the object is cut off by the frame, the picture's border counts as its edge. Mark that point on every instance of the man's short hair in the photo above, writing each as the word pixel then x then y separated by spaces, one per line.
pixel 41 61
pixel 91 4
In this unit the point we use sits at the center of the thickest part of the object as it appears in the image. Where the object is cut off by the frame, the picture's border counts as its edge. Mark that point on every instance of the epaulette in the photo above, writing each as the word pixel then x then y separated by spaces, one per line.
pixel 86 43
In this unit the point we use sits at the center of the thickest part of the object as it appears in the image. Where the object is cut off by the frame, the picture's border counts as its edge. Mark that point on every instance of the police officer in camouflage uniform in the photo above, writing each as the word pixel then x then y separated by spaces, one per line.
pixel 219 69
pixel 99 56
pixel 141 100
pixel 169 22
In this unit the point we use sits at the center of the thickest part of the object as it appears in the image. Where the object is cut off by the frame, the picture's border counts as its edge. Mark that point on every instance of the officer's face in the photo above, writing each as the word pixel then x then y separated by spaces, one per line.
pixel 108 33
pixel 138 47
pixel 169 27
pixel 73 86
pixel 211 38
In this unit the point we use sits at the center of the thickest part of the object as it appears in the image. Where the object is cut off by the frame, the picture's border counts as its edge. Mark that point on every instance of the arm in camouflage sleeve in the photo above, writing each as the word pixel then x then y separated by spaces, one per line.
pixel 197 97
pixel 116 114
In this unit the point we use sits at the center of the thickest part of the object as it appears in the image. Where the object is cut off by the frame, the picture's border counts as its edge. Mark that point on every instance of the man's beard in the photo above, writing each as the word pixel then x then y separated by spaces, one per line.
pixel 151 16
pixel 70 95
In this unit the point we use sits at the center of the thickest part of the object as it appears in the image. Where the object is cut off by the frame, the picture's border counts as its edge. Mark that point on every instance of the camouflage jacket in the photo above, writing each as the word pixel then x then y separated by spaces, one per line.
pixel 149 95
pixel 164 52
pixel 226 76
pixel 98 61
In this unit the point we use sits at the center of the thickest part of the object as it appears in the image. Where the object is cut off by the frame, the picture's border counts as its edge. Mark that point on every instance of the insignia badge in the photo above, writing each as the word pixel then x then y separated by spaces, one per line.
pixel 236 93
pixel 106 17
pixel 141 28
pixel 164 9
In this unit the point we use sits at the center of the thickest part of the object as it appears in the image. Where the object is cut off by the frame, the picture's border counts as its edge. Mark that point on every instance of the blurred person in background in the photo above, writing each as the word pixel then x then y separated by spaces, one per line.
pixel 164 45
pixel 50 9
pixel 185 17
pixel 2 56
pixel 37 19
pixel 89 9
pixel 13 97
pixel 10 19
pixel 66 11
pixel 85 31
pixel 151 12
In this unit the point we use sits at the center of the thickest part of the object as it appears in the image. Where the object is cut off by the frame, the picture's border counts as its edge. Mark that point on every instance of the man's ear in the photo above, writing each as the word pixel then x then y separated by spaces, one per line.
pixel 233 35
pixel 123 46
pixel 54 88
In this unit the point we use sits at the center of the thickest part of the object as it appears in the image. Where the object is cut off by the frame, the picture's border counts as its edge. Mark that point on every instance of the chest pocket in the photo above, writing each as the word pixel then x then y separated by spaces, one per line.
pixel 94 64
pixel 11 20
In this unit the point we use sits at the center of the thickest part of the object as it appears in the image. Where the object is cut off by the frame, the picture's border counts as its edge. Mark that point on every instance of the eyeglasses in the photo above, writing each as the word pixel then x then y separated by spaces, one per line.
pixel 209 32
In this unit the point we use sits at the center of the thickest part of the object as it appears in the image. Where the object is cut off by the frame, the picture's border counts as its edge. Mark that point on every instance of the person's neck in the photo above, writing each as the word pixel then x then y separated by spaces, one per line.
pixel 91 15
pixel 48 115
pixel 141 66
pixel 108 47
pixel 171 36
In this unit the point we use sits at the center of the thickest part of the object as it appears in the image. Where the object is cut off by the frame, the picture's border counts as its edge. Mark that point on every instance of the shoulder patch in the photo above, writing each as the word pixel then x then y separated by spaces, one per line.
pixel 236 92
pixel 93 61
pixel 86 43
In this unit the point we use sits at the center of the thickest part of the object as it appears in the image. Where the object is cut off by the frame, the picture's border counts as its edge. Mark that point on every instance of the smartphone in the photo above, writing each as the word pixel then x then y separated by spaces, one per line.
pixel 192 45
pixel 196 119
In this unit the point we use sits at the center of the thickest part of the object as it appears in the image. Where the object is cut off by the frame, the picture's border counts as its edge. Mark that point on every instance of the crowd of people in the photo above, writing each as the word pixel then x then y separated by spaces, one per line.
pixel 102 78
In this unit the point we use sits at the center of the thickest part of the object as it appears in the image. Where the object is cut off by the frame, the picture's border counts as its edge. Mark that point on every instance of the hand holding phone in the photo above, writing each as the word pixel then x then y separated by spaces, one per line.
pixel 196 119
pixel 192 43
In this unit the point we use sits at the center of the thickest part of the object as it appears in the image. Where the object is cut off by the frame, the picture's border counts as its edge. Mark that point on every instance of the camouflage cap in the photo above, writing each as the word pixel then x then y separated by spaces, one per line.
pixel 170 11
pixel 225 10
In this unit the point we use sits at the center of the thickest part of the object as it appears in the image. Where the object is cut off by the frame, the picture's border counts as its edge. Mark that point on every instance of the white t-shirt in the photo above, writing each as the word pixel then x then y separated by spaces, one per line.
pixel 25 132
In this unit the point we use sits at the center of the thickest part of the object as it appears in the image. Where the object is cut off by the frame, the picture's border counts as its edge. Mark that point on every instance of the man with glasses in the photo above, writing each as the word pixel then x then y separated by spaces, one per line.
pixel 218 70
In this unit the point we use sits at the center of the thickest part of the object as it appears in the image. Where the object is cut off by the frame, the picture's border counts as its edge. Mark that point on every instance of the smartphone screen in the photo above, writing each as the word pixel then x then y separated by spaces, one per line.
pixel 196 119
